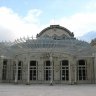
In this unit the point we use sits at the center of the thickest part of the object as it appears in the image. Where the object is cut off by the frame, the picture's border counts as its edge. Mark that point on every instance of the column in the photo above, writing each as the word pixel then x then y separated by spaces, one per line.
pixel 95 66
pixel 51 61
pixel 16 74
pixel 42 73
pixel 1 67
pixel 8 75
pixel 70 73
pixel 93 71
pixel 40 70
pixel 71 70
pixel 28 73
pixel 74 70
pixel 75 81
pixel 57 70
pixel 90 70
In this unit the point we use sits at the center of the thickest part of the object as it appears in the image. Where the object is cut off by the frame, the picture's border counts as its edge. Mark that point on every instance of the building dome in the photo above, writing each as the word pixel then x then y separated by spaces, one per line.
pixel 55 31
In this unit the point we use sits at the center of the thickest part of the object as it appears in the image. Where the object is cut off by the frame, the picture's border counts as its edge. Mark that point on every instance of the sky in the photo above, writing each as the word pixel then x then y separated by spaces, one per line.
pixel 26 18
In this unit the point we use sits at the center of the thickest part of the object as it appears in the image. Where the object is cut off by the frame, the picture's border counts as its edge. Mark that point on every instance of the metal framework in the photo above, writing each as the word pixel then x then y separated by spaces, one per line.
pixel 49 45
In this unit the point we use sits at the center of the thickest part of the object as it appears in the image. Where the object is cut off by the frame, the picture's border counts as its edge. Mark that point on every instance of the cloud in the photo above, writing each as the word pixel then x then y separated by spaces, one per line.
pixel 32 16
pixel 13 26
pixel 79 23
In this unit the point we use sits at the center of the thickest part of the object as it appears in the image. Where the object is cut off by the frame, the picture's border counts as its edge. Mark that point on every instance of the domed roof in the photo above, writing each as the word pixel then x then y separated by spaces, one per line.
pixel 55 30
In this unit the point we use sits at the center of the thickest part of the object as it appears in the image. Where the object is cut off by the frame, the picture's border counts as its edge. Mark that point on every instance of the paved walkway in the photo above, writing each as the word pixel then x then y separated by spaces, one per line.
pixel 47 90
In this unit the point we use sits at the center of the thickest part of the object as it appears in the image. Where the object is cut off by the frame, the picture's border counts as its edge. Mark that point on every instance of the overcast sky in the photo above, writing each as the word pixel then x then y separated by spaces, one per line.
pixel 22 18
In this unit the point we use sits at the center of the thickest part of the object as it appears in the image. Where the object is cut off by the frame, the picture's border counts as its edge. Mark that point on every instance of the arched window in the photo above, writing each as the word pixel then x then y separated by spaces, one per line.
pixel 64 74
pixel 81 70
pixel 33 70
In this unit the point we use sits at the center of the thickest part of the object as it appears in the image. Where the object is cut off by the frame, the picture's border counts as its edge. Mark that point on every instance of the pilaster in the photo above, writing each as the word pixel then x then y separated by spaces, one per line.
pixel 28 71
pixel 16 74
pixel 95 67
pixel 51 61
pixel 40 70
pixel 1 67
pixel 56 70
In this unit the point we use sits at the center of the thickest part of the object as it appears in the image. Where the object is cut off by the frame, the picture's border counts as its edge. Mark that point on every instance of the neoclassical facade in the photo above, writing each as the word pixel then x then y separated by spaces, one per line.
pixel 55 56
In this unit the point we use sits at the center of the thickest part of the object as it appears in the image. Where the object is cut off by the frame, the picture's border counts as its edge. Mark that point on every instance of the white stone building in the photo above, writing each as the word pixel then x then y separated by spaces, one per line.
pixel 54 57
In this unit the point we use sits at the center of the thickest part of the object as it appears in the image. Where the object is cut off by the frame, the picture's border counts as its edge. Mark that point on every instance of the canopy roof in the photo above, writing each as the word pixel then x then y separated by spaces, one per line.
pixel 70 46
